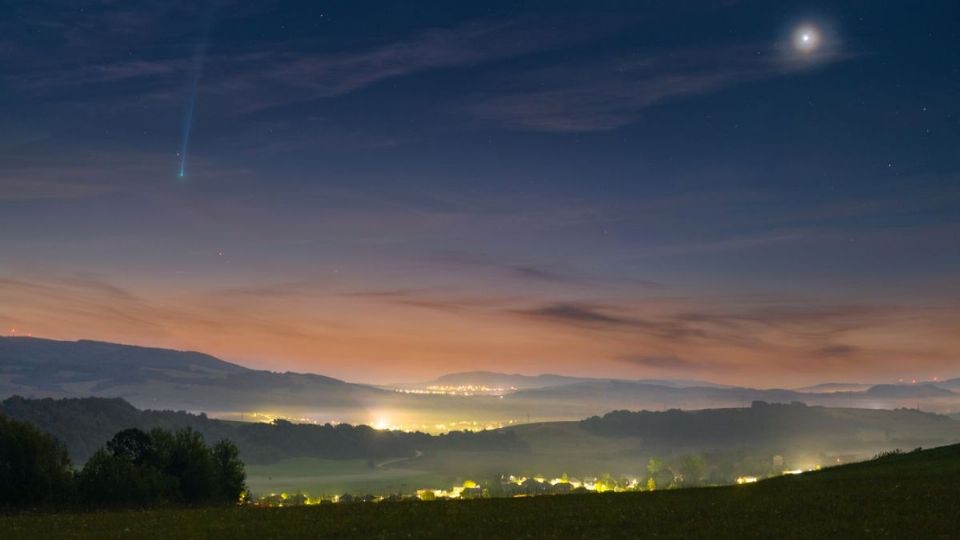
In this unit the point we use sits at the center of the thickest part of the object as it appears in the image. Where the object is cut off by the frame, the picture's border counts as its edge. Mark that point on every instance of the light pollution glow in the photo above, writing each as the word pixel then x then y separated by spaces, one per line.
pixel 377 339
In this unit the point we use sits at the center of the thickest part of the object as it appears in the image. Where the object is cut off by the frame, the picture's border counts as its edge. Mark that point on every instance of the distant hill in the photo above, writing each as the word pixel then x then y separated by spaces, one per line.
pixel 834 387
pixel 784 425
pixel 161 378
pixel 617 394
pixel 951 384
pixel 153 378
pixel 640 395
pixel 733 441
pixel 908 391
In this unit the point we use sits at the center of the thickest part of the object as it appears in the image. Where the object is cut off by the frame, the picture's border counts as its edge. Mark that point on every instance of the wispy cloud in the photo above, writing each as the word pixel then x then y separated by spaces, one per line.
pixel 468 44
pixel 524 271
pixel 555 274
pixel 671 364
pixel 608 317
pixel 607 94
pixel 792 330
pixel 287 72
pixel 453 302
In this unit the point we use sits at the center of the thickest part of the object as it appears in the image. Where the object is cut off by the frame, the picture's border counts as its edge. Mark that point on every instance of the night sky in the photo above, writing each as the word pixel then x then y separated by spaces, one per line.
pixel 749 192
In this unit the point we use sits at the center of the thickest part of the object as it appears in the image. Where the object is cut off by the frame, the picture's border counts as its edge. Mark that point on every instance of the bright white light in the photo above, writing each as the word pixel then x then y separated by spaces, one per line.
pixel 806 39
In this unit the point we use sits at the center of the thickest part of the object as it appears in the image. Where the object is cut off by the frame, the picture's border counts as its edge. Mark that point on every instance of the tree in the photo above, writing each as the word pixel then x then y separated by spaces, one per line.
pixel 189 461
pixel 659 472
pixel 34 467
pixel 229 471
pixel 142 469
pixel 110 479
pixel 693 468
pixel 606 483
pixel 133 445
pixel 127 471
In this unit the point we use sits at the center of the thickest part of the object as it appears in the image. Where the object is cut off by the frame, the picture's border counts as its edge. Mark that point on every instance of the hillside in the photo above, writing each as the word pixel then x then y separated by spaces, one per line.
pixel 732 442
pixel 911 391
pixel 620 394
pixel 766 425
pixel 161 378
pixel 158 379
pixel 902 496
pixel 834 387
pixel 84 425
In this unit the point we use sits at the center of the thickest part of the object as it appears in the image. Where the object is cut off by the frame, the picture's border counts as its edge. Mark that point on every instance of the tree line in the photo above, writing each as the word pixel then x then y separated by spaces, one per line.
pixel 135 468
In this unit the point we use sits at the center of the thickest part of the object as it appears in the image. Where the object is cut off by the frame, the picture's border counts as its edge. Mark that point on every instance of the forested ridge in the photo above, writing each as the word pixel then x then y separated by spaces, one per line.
pixel 85 424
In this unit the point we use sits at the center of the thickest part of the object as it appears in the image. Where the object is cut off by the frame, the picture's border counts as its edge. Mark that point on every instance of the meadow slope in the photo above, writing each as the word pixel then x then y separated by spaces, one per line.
pixel 903 496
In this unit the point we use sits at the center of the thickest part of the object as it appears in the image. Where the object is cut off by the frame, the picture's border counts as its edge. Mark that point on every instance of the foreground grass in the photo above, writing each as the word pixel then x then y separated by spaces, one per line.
pixel 333 477
pixel 907 496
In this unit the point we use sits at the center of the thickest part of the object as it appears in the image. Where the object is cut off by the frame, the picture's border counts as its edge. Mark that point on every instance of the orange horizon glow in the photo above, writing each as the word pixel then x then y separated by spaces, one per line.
pixel 394 337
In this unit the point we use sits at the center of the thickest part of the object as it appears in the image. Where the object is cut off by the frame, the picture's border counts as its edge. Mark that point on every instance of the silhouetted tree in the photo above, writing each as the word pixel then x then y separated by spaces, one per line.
pixel 141 469
pixel 186 458
pixel 134 445
pixel 34 467
pixel 660 473
pixel 230 473
pixel 110 479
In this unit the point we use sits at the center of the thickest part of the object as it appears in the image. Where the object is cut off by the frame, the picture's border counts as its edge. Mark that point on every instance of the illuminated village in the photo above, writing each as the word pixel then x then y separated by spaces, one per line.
pixel 459 390
pixel 508 486
pixel 378 421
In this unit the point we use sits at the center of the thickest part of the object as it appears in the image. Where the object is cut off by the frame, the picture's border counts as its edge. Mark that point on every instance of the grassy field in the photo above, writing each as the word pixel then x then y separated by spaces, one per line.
pixel 906 496
pixel 334 477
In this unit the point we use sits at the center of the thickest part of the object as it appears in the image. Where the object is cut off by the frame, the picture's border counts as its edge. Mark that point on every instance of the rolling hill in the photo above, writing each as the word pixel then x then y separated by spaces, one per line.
pixel 161 378
pixel 86 424
pixel 619 442
pixel 153 378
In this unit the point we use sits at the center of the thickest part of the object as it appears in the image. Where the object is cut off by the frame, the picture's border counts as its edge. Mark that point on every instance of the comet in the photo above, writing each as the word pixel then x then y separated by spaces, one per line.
pixel 196 73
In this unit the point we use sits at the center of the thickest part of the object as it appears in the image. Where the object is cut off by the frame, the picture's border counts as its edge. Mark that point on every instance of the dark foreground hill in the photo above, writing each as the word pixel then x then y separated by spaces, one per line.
pixel 900 496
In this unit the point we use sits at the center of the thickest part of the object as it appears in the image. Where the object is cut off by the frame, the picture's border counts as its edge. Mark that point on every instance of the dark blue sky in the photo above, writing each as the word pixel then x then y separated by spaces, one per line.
pixel 376 190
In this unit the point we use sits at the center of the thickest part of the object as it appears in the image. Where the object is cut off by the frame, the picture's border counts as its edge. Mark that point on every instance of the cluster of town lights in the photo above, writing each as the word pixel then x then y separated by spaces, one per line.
pixel 458 390
pixel 510 486
pixel 789 472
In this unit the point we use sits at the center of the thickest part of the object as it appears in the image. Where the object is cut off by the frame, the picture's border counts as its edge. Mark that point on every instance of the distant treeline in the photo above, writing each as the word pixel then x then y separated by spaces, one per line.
pixel 85 424
pixel 133 469
pixel 770 424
